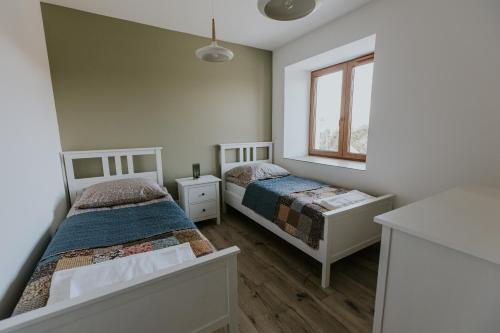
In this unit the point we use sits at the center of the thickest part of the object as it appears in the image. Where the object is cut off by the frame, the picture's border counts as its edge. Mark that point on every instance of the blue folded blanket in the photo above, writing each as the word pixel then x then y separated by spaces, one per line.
pixel 117 226
pixel 262 196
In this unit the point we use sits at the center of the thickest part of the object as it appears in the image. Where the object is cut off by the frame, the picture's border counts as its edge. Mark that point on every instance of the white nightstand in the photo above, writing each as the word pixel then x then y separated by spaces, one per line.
pixel 200 197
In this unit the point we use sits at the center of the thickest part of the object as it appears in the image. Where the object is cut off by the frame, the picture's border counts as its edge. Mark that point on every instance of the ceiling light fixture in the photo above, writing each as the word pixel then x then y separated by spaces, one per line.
pixel 287 10
pixel 214 52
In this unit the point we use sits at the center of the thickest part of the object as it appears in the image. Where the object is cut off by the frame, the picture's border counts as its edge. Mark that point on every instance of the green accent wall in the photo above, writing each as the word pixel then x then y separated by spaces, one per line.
pixel 120 84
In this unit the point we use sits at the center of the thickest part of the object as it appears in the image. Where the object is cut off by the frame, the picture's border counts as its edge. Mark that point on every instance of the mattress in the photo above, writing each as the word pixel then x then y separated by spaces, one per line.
pixel 236 189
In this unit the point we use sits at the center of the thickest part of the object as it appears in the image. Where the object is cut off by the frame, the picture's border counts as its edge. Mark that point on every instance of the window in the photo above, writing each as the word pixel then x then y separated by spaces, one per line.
pixel 340 109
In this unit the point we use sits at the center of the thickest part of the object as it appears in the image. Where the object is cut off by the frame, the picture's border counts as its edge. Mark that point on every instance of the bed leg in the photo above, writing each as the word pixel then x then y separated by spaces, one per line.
pixel 232 271
pixel 325 275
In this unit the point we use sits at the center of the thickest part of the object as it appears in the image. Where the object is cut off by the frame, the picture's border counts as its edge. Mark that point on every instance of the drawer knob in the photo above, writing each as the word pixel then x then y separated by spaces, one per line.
pixel 204 210
pixel 203 194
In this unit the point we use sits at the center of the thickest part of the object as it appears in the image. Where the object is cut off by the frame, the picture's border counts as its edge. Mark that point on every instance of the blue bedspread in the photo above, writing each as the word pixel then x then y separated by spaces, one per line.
pixel 117 226
pixel 262 196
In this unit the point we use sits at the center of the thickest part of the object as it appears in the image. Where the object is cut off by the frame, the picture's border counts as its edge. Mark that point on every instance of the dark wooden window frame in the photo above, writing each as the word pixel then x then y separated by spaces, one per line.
pixel 345 110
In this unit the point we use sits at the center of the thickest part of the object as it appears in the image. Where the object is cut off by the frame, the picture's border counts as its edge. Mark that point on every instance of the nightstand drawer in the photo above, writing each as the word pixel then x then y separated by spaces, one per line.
pixel 203 210
pixel 202 193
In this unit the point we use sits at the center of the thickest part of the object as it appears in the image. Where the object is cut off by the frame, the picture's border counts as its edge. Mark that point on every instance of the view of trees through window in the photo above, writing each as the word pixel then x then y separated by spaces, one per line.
pixel 328 108
pixel 340 109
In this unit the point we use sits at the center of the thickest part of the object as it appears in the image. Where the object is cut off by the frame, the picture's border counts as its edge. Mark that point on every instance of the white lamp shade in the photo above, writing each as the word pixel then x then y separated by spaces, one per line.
pixel 214 53
pixel 287 10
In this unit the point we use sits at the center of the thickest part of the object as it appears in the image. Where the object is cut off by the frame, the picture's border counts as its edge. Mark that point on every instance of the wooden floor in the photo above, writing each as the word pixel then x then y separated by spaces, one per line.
pixel 279 286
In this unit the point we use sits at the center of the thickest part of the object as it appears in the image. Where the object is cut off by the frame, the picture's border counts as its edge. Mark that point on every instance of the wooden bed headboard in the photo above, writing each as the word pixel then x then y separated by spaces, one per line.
pixel 246 153
pixel 77 184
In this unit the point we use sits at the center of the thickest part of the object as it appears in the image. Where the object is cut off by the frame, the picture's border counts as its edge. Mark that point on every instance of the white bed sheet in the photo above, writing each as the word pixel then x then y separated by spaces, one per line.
pixel 236 189
pixel 71 283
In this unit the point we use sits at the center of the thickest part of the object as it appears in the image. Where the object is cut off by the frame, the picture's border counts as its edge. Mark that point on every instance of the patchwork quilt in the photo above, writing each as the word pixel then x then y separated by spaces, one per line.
pixel 36 293
pixel 289 202
pixel 261 196
pixel 298 215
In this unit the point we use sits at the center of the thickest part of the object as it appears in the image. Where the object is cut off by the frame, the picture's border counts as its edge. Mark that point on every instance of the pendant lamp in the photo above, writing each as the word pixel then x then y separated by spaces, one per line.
pixel 287 10
pixel 214 52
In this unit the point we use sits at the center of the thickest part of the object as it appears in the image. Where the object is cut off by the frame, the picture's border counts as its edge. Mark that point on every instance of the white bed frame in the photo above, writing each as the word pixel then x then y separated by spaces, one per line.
pixel 76 185
pixel 347 230
pixel 197 296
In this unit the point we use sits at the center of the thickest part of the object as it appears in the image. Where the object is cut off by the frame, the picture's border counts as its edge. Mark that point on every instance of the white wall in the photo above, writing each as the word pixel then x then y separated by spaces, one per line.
pixel 436 95
pixel 32 196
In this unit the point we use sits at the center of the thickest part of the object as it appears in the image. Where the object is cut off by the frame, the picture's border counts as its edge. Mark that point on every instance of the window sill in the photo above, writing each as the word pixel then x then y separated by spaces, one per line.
pixel 330 161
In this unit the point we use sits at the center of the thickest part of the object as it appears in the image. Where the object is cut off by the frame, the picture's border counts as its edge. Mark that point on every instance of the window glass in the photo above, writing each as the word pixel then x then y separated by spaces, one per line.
pixel 328 108
pixel 360 108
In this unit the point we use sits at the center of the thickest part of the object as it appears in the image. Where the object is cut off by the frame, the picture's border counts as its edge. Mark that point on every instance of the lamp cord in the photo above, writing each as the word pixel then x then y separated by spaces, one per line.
pixel 213 22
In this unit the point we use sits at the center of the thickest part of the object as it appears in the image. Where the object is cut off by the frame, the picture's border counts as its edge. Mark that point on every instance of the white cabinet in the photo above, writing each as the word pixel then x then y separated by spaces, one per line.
pixel 439 267
pixel 200 197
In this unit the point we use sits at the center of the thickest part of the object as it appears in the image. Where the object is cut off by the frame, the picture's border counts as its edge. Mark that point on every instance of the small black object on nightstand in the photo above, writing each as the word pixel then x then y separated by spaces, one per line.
pixel 196 170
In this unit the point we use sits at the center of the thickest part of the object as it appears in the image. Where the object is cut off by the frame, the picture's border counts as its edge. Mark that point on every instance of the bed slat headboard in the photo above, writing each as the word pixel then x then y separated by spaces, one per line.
pixel 246 153
pixel 78 184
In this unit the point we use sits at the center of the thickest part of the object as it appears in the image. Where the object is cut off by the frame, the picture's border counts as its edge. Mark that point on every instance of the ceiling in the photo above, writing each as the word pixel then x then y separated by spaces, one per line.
pixel 238 21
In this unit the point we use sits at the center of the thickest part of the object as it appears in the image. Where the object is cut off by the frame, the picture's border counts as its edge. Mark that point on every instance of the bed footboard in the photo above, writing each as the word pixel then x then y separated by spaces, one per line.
pixel 350 229
pixel 196 296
